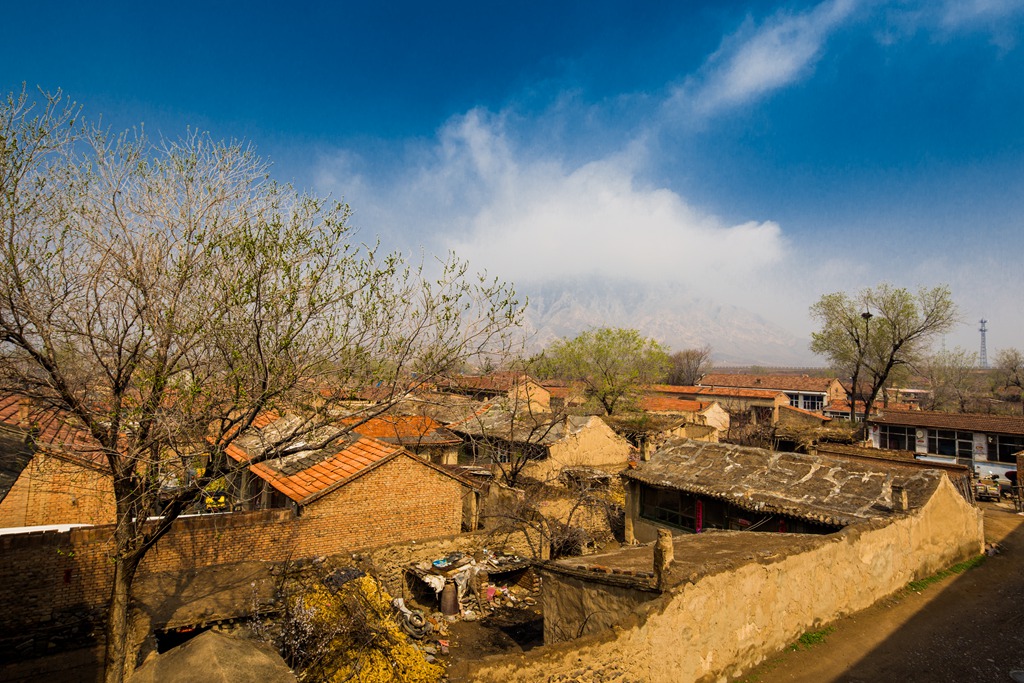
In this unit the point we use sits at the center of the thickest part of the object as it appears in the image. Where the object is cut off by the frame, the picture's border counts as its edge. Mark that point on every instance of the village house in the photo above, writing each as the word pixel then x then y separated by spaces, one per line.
pixel 690 486
pixel 808 393
pixel 541 446
pixel 522 392
pixel 333 485
pixel 756 406
pixel 419 434
pixel 51 470
pixel 727 598
pixel 986 443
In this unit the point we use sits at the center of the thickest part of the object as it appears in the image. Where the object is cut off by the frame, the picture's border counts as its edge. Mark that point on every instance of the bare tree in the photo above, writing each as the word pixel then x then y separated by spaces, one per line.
pixel 952 378
pixel 689 365
pixel 879 329
pixel 1009 367
pixel 164 294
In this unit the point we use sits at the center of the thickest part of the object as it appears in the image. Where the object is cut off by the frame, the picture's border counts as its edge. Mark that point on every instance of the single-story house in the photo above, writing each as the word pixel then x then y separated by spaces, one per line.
pixel 51 469
pixel 691 486
pixel 761 405
pixel 419 434
pixel 348 477
pixel 524 392
pixel 809 393
pixel 549 443
pixel 986 443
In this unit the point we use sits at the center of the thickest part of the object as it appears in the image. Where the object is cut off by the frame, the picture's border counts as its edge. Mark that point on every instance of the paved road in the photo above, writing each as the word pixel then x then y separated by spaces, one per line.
pixel 964 628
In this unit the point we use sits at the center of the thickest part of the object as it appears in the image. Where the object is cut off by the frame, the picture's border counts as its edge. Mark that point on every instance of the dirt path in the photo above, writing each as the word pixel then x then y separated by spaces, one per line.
pixel 967 627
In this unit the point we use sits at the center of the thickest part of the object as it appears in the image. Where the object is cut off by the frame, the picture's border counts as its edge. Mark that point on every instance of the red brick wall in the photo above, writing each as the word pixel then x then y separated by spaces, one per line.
pixel 58 577
pixel 54 491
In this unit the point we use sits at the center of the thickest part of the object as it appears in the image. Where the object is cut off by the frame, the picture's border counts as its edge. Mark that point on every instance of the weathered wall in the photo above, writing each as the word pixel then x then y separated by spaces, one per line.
pixel 723 623
pixel 596 445
pixel 716 416
pixel 59 578
pixel 573 609
pixel 52 490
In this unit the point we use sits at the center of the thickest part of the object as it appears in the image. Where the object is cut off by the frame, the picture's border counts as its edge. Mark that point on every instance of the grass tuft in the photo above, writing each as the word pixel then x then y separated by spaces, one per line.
pixel 960 568
pixel 811 638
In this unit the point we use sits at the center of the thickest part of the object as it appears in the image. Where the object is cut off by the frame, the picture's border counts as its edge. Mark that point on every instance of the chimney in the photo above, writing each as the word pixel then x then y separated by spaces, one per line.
pixel 663 552
pixel 899 499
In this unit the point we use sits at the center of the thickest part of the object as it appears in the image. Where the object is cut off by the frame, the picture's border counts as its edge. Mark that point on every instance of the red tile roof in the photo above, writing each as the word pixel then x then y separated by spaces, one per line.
pixel 58 432
pixel 801 383
pixel 714 391
pixel 410 430
pixel 494 382
pixel 661 404
pixel 350 461
pixel 991 424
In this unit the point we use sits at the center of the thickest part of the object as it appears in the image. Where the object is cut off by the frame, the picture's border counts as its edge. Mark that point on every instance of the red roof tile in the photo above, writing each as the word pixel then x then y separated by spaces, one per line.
pixel 410 430
pixel 57 431
pixel 661 404
pixel 777 382
pixel 713 391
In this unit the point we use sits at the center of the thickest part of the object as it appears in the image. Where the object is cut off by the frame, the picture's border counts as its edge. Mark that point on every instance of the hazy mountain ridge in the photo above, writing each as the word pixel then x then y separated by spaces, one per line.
pixel 664 312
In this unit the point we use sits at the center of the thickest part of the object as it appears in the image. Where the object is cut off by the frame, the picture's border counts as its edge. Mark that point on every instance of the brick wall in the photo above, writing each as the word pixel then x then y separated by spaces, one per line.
pixel 59 579
pixel 51 490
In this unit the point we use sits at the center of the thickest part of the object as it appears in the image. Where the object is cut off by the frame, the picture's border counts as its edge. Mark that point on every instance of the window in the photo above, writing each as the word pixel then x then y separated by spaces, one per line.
pixel 794 400
pixel 814 402
pixel 666 506
pixel 1004 448
pixel 948 442
pixel 896 438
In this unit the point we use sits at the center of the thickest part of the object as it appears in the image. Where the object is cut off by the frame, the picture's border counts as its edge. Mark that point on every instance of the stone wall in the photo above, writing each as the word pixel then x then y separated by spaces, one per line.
pixel 720 624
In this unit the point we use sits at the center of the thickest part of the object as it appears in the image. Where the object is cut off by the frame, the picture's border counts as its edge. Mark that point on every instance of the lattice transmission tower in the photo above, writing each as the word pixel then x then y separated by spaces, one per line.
pixel 983 356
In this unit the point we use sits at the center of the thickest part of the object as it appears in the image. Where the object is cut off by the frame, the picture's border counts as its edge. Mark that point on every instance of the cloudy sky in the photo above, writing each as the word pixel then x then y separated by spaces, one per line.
pixel 755 153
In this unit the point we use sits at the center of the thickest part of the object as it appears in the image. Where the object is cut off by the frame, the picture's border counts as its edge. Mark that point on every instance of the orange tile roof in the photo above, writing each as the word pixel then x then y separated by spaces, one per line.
pixel 714 391
pixel 57 431
pixel 776 382
pixel 661 404
pixel 352 460
pixel 404 429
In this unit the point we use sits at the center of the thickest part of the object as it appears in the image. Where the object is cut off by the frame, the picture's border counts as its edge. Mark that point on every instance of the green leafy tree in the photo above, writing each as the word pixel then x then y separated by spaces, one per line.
pixel 164 294
pixel 612 363
pixel 869 334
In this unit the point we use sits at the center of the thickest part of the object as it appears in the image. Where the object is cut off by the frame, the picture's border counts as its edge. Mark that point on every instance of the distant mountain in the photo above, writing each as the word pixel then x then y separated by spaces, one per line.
pixel 664 312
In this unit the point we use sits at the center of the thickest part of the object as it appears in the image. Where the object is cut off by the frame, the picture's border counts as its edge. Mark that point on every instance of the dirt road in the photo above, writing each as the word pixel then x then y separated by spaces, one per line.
pixel 967 627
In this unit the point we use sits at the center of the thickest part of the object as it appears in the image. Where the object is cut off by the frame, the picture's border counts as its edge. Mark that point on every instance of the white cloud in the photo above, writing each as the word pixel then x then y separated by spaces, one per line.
pixel 533 218
pixel 757 60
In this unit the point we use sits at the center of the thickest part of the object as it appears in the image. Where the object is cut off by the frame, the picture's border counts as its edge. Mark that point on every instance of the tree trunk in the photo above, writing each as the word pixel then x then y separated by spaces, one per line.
pixel 118 619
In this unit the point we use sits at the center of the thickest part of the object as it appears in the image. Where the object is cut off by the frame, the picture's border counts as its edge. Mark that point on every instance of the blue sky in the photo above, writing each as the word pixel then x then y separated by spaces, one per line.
pixel 759 154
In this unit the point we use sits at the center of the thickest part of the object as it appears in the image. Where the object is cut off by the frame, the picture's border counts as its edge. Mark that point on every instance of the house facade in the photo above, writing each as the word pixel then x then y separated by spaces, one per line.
pixel 51 471
pixel 988 444
pixel 807 393
pixel 690 487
